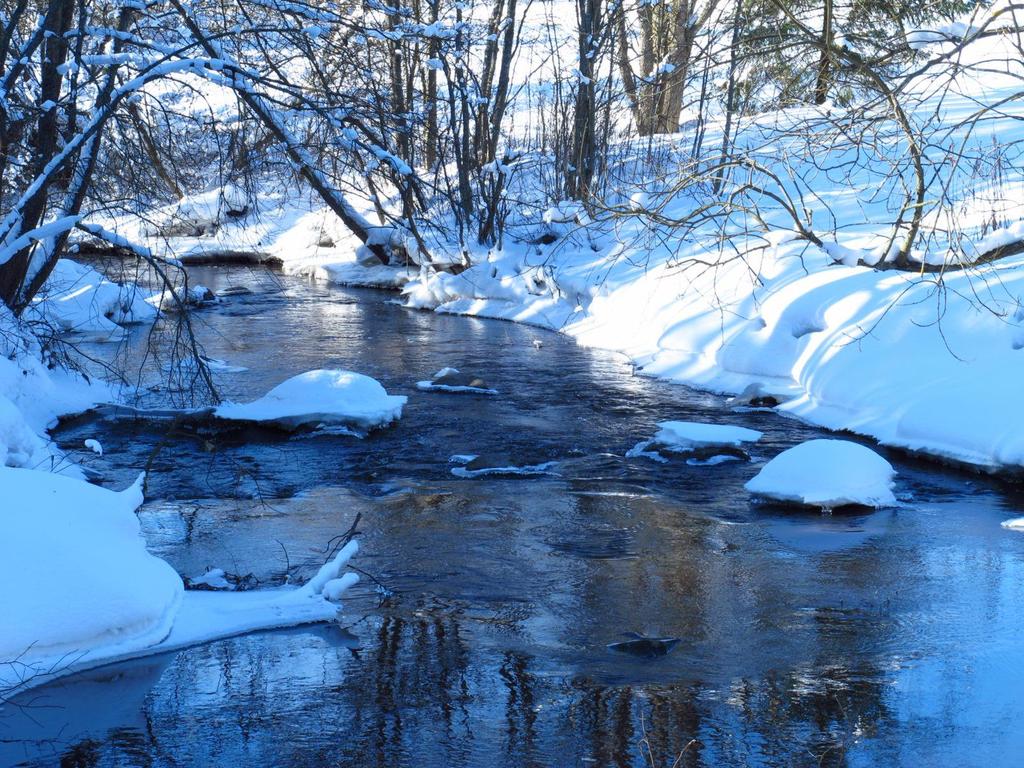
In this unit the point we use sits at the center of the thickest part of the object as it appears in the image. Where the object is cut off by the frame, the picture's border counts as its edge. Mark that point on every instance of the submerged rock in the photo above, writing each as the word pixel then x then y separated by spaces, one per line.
pixel 643 646
pixel 217 579
pixel 471 465
pixel 754 396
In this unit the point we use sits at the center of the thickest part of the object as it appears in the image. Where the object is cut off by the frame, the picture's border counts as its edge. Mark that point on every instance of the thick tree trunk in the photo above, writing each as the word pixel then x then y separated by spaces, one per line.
pixel 430 149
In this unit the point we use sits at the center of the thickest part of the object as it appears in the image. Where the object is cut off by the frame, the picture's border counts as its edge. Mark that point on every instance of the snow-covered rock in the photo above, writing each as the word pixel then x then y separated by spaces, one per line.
pixel 686 436
pixel 702 440
pixel 452 380
pixel 195 296
pixel 826 474
pixel 214 578
pixel 1014 524
pixel 477 466
pixel 321 397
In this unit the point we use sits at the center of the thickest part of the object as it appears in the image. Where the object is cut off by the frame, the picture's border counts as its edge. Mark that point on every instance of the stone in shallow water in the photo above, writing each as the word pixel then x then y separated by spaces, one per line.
pixel 643 646
pixel 471 465
pixel 453 380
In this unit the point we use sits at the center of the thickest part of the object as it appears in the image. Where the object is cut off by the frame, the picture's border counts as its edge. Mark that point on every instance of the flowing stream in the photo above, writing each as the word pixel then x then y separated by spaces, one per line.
pixel 889 638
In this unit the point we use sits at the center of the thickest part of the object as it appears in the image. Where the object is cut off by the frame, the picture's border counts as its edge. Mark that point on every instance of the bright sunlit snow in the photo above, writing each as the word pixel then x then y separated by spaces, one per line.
pixel 826 474
pixel 326 397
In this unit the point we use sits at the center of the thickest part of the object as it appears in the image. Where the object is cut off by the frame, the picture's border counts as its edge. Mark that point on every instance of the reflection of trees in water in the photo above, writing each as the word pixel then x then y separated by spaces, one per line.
pixel 797 684
pixel 409 695
pixel 609 723
pixel 520 711
pixel 808 717
pixel 420 695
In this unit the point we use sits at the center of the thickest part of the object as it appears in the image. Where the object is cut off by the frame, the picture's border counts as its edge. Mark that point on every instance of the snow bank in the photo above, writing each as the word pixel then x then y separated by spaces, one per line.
pixel 78 299
pixel 32 397
pixel 276 224
pixel 898 356
pixel 79 587
pixel 321 397
pixel 77 578
pixel 81 590
pixel 826 474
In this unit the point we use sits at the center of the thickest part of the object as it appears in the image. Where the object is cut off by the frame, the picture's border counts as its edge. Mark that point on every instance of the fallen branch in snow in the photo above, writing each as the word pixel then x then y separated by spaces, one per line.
pixel 1002 251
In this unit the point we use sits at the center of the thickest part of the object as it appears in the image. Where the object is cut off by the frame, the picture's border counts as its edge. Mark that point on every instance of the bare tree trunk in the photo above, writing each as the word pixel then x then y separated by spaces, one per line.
pixel 580 174
pixel 730 100
pixel 55 25
pixel 430 150
pixel 821 85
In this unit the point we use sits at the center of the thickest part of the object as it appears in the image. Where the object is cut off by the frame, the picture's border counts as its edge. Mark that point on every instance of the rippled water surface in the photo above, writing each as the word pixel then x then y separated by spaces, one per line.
pixel 890 638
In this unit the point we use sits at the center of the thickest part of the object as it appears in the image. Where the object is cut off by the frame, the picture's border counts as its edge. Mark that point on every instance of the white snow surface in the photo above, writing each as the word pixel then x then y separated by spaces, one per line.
pixel 826 474
pixel 78 581
pixel 76 298
pixel 892 355
pixel 321 397
pixel 683 436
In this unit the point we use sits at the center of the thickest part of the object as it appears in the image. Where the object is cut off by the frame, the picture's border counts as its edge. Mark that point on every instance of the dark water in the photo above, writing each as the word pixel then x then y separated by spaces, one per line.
pixel 891 638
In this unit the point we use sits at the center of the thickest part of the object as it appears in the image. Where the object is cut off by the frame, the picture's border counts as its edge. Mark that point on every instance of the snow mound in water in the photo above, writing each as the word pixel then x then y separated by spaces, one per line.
pixel 76 574
pixel 694 437
pixel 684 436
pixel 826 473
pixel 325 397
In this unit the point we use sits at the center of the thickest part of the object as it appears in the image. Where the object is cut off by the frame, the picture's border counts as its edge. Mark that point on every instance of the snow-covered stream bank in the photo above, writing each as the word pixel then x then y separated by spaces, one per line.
pixel 888 636
pixel 926 366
